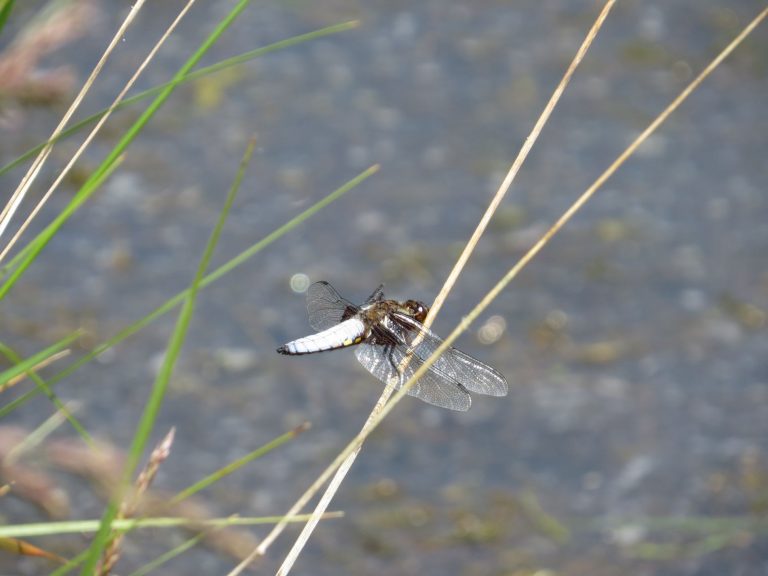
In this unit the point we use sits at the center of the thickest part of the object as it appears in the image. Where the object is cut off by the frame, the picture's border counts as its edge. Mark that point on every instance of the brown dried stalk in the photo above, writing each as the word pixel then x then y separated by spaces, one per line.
pixel 131 503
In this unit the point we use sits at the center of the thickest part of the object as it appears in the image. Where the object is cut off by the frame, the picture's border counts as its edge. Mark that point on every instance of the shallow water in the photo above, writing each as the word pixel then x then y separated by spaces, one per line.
pixel 635 344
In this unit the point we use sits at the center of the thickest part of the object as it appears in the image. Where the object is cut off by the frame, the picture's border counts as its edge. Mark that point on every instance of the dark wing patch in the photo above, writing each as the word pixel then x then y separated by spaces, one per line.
pixel 326 307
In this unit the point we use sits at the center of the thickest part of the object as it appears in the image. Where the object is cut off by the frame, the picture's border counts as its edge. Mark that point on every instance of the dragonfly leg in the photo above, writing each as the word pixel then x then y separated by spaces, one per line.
pixel 389 350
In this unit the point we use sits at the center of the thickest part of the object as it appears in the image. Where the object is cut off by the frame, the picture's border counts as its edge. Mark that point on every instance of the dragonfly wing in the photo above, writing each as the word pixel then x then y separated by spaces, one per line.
pixel 377 295
pixel 384 363
pixel 326 307
pixel 474 375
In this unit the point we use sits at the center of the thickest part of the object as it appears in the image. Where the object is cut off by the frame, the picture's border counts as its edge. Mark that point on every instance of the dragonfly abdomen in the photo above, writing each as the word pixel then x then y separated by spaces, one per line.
pixel 347 333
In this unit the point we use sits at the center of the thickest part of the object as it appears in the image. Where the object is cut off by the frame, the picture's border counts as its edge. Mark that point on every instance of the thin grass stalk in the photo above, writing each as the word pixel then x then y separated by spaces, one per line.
pixel 185 317
pixel 15 358
pixel 63 173
pixel 697 525
pixel 239 463
pixel 37 530
pixel 71 564
pixel 514 271
pixel 31 363
pixel 44 387
pixel 36 246
pixel 34 438
pixel 341 473
pixel 18 195
pixel 173 350
pixel 150 567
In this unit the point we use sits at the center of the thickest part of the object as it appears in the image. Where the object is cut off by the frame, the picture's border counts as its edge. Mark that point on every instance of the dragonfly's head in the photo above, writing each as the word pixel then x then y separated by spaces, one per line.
pixel 417 310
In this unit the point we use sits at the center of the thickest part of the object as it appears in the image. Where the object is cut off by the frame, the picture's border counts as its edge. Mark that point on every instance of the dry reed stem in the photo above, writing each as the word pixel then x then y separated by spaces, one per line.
pixel 36 368
pixel 389 388
pixel 99 124
pixel 130 504
pixel 37 436
pixel 26 182
pixel 341 473
pixel 356 443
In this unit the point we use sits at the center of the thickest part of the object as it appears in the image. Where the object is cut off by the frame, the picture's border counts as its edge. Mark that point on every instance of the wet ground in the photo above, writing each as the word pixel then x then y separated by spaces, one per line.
pixel 633 437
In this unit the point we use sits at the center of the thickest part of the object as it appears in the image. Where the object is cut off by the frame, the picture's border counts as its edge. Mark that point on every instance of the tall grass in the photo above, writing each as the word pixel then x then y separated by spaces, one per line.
pixel 31 250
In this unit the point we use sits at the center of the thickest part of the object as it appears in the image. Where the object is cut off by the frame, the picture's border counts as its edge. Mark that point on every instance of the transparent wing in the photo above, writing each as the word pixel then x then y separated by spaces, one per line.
pixel 433 387
pixel 325 307
pixel 472 374
pixel 377 295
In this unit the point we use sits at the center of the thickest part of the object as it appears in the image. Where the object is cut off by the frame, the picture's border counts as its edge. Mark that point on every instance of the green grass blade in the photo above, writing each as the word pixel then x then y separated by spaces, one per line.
pixel 88 188
pixel 152 407
pixel 5 11
pixel 237 464
pixel 42 239
pixel 182 325
pixel 84 526
pixel 13 404
pixel 30 363
pixel 694 525
pixel 234 61
pixel 170 304
pixel 71 565
pixel 126 525
pixel 45 389
pixel 150 567
pixel 33 438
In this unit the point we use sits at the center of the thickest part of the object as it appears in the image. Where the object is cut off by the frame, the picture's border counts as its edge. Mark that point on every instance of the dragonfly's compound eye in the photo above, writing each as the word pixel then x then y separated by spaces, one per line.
pixel 417 309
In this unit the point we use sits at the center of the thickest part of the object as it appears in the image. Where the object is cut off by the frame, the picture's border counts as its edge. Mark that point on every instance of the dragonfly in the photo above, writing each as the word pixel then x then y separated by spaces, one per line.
pixel 391 341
